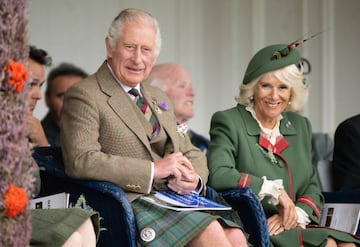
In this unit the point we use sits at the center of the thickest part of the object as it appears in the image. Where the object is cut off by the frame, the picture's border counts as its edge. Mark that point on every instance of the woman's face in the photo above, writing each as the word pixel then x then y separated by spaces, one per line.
pixel 271 99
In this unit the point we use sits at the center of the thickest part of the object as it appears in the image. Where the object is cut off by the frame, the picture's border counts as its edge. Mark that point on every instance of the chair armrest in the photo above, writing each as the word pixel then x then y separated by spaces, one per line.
pixel 252 214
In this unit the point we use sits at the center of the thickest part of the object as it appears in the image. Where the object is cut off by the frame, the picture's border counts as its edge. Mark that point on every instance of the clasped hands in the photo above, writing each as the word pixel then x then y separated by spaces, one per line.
pixel 286 218
pixel 181 175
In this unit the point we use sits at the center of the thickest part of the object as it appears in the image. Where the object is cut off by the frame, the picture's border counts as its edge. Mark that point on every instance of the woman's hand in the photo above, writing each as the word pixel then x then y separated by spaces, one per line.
pixel 287 211
pixel 275 224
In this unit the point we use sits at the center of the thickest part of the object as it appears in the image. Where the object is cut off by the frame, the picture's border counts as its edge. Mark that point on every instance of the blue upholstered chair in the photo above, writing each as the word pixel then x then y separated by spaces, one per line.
pixel 112 204
pixel 106 198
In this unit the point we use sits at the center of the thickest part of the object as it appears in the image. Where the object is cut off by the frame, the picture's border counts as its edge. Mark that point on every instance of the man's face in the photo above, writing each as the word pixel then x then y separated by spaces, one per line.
pixel 134 53
pixel 54 100
pixel 181 93
pixel 37 77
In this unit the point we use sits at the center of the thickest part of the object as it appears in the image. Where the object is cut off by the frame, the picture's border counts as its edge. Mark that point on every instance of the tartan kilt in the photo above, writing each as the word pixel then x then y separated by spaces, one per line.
pixel 52 227
pixel 176 228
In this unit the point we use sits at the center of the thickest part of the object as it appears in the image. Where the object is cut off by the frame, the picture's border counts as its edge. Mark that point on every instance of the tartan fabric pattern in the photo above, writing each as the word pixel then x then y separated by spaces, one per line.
pixel 172 228
pixel 144 107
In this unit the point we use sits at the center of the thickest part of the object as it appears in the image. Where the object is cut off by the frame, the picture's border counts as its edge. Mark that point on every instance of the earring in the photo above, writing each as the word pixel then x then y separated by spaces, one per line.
pixel 289 102
pixel 251 98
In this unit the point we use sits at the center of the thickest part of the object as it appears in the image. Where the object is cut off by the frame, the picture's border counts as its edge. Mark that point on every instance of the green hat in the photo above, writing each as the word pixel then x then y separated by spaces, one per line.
pixel 271 58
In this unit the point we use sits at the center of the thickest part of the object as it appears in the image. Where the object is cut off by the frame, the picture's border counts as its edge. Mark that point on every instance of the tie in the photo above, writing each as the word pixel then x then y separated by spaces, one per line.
pixel 142 104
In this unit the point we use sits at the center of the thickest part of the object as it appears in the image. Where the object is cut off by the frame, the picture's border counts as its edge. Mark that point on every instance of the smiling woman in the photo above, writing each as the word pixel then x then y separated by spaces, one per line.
pixel 262 144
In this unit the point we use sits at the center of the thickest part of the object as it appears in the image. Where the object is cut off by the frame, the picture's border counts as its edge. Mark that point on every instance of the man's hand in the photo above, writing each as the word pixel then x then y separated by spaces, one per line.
pixel 36 133
pixel 182 177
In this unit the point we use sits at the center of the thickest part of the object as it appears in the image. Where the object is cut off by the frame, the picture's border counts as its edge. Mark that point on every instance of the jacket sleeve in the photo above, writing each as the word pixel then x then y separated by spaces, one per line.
pixel 224 149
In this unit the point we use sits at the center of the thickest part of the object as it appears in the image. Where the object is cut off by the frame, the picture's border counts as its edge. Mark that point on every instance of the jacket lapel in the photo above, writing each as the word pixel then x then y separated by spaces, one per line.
pixel 253 128
pixel 121 103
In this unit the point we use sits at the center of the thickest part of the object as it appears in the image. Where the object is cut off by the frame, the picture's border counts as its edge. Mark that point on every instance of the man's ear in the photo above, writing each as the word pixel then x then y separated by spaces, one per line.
pixel 108 48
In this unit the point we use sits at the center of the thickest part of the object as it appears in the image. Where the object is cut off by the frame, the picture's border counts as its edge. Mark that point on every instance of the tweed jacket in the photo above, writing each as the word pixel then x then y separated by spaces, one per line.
pixel 105 136
pixel 238 158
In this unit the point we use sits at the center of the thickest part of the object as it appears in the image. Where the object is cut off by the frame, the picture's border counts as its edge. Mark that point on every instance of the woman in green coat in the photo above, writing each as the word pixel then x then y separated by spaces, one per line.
pixel 263 144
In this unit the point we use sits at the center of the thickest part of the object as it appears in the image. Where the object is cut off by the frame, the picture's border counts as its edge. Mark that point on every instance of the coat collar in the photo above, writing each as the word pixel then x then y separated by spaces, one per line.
pixel 253 128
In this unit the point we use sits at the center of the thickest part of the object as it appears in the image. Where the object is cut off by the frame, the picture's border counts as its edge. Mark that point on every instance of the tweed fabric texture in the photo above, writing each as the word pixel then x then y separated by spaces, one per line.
pixel 115 144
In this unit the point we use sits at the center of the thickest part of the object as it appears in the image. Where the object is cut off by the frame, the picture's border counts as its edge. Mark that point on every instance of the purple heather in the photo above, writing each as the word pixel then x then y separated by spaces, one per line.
pixel 15 155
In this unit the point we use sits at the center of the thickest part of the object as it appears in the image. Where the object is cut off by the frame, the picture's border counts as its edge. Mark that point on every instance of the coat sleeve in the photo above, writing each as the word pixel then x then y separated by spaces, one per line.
pixel 224 151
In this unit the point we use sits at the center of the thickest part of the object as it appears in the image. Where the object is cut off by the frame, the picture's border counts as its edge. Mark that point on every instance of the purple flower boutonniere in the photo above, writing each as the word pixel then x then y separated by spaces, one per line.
pixel 163 106
pixel 160 107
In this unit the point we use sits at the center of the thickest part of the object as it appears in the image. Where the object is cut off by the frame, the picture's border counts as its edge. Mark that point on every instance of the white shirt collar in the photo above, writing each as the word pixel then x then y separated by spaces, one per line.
pixel 270 134
pixel 125 87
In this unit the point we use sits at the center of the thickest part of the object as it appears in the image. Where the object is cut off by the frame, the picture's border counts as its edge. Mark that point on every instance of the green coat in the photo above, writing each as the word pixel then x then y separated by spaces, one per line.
pixel 236 160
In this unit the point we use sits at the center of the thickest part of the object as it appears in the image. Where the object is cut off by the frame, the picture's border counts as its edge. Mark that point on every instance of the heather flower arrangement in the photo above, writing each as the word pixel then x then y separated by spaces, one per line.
pixel 16 172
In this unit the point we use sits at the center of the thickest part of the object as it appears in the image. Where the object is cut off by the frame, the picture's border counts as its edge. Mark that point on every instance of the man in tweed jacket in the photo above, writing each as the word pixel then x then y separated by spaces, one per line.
pixel 105 136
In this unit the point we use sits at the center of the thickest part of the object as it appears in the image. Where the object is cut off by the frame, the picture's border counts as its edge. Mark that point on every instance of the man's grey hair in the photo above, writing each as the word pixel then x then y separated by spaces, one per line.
pixel 133 15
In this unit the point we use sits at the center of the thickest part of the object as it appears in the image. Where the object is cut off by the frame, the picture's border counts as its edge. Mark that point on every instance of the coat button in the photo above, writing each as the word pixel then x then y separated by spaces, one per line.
pixel 147 234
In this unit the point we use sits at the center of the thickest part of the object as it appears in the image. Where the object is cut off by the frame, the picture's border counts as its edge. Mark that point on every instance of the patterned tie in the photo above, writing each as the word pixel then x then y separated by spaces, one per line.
pixel 142 104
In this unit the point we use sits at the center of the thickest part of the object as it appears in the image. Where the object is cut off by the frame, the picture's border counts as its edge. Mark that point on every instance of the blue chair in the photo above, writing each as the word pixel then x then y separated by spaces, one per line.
pixel 105 197
pixel 252 214
pixel 115 209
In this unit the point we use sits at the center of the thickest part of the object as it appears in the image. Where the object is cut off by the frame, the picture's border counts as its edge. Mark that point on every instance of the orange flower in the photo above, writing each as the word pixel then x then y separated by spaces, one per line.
pixel 17 75
pixel 15 200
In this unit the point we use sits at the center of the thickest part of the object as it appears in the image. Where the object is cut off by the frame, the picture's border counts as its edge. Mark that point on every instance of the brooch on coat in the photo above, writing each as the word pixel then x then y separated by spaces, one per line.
pixel 160 107
pixel 182 129
pixel 269 154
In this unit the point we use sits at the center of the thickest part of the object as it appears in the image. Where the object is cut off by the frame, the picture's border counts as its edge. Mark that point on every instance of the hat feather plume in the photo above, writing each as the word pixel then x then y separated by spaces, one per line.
pixel 285 51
